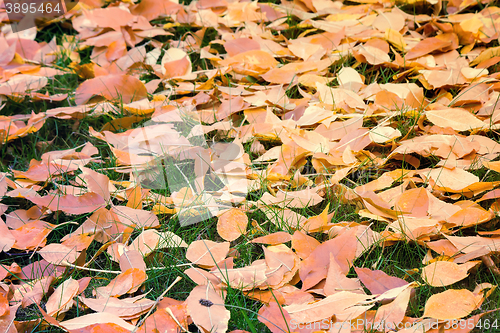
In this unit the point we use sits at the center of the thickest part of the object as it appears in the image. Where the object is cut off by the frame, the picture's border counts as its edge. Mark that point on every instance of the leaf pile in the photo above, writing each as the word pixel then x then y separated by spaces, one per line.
pixel 297 101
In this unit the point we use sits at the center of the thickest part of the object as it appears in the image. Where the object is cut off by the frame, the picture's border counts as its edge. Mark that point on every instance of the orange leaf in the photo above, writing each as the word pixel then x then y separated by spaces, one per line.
pixel 96 182
pixel 102 328
pixel 316 223
pixel 108 320
pixel 337 281
pixel 132 259
pixel 40 171
pixel 414 201
pixel 135 196
pixel 275 318
pixel 244 278
pixel 315 267
pixel 176 63
pixel 282 262
pixel 450 304
pixel 62 298
pixel 240 45
pixel 4 305
pixel 378 282
pixel 71 204
pixel 206 252
pixel 151 9
pixel 123 308
pixel 161 321
pixel 119 87
pixel 7 239
pixel 275 238
pixel 135 217
pixel 207 309
pixel 127 282
pixel 393 313
pixel 337 303
pixel 444 273
pixel 470 216
pixel 149 241
pixel 232 224
pixel 303 244
pixel 31 235
pixel 252 62
pixel 427 46
pixel 80 242
pixel 58 253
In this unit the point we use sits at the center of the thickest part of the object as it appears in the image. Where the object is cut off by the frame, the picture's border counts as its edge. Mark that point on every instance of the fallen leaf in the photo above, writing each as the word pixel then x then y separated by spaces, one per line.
pixel 275 238
pixel 456 118
pixel 71 204
pixel 377 281
pixel 127 282
pixel 207 309
pixel 58 253
pixel 122 308
pixel 62 298
pixel 445 273
pixel 206 252
pixel 118 87
pixel 232 224
pixel 96 319
pixel 450 304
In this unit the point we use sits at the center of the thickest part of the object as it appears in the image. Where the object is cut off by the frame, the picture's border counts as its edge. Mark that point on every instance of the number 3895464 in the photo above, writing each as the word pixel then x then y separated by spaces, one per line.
pixel 33 8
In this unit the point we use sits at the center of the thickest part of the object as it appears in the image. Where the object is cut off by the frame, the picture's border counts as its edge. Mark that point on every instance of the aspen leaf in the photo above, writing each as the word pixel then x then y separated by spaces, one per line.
pixel 232 224
pixel 96 319
pixel 123 308
pixel 303 244
pixel 274 238
pixel 125 283
pixel 58 253
pixel 445 273
pixel 207 309
pixel 377 281
pixel 275 317
pixel 383 134
pixel 426 46
pixel 71 204
pixel 150 240
pixel 251 62
pixel 458 119
pixel 206 252
pixel 244 278
pixel 7 239
pixel 121 87
pixel 386 21
pixel 62 298
pixel 176 63
pixel 132 259
pixel 450 304
pixel 350 79
pixel 96 182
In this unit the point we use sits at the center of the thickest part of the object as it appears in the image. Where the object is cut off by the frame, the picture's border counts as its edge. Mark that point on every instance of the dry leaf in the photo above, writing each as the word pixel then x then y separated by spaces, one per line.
pixel 445 273
pixel 450 304
pixel 62 298
pixel 58 253
pixel 232 224
pixel 207 309
pixel 120 87
pixel 206 252
pixel 458 119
